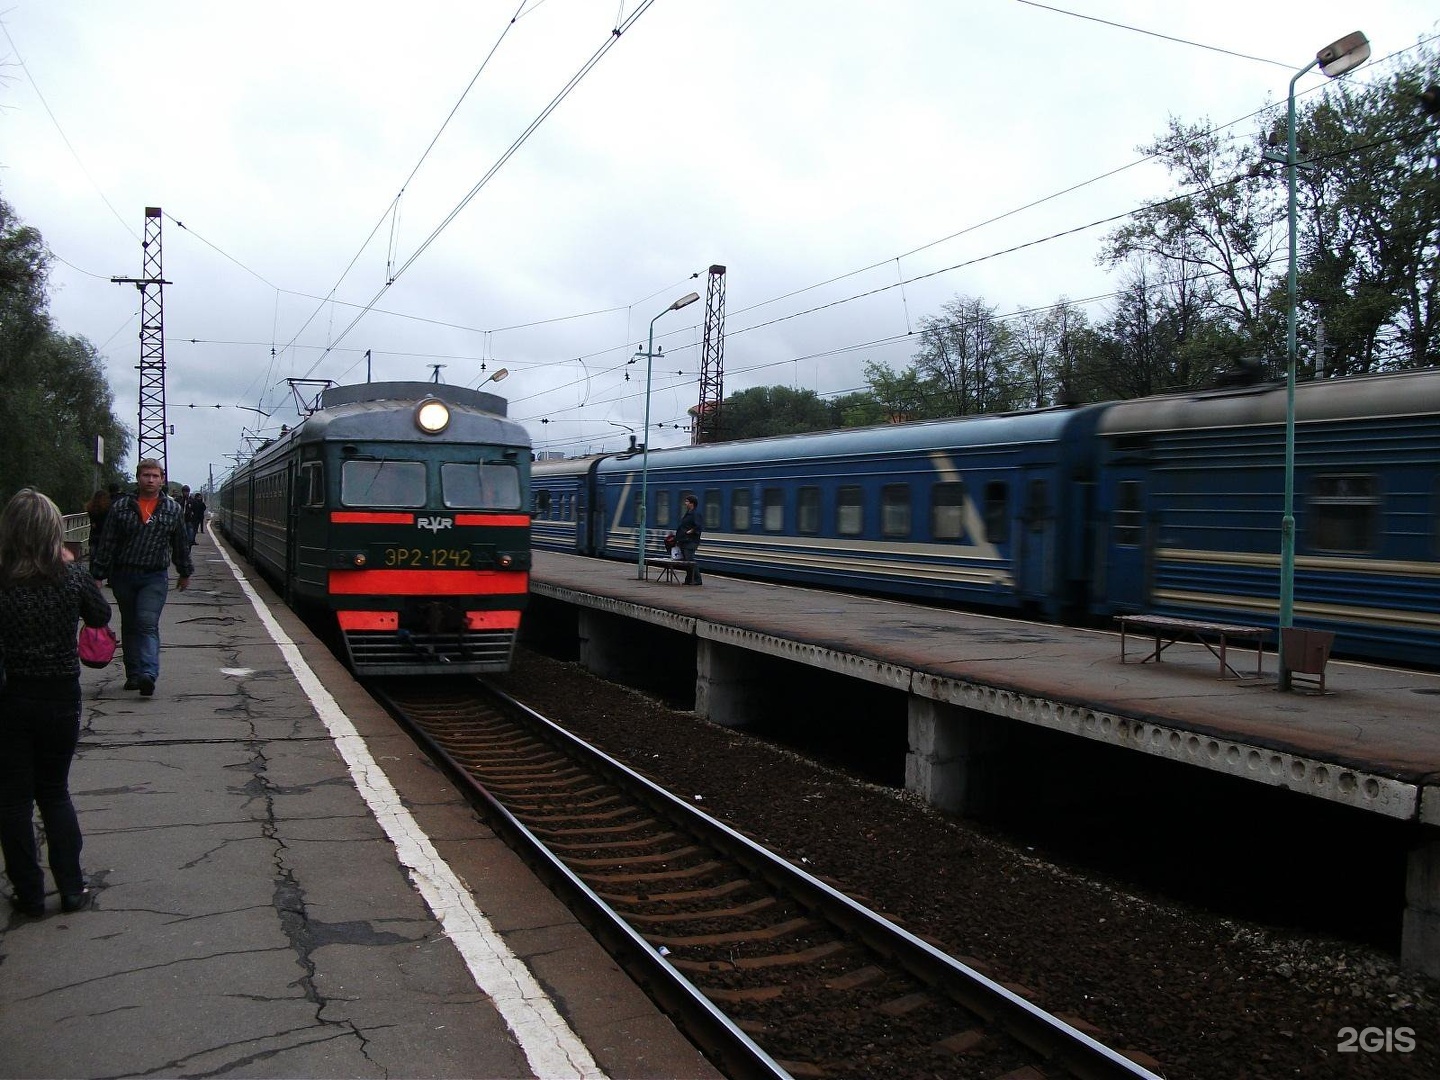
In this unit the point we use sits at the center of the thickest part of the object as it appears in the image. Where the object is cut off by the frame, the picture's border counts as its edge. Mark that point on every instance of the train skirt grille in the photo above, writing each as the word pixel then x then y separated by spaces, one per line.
pixel 406 652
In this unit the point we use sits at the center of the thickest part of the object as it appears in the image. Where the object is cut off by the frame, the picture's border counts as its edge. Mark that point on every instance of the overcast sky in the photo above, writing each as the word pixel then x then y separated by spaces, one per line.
pixel 853 165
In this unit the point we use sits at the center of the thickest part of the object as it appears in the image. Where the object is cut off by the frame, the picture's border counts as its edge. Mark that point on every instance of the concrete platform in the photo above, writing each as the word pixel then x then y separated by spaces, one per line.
pixel 1370 742
pixel 287 888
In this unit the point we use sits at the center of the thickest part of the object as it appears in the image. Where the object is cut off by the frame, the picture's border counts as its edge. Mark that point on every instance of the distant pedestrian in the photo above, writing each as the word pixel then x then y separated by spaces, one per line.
pixel 143 533
pixel 687 535
pixel 194 515
pixel 43 596
pixel 96 509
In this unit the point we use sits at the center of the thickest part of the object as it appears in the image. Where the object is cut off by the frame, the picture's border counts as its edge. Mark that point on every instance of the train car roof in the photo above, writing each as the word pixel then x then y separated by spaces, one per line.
pixel 1036 426
pixel 1401 393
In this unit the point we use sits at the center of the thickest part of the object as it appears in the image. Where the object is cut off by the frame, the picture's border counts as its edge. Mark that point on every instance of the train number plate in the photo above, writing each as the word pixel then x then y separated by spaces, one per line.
pixel 409 558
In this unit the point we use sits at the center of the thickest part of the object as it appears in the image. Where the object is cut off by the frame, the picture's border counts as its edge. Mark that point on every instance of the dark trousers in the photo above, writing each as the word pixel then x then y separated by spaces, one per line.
pixel 37 743
pixel 687 552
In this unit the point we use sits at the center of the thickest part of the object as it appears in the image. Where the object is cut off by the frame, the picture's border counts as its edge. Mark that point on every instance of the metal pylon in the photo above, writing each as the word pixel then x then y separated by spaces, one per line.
pixel 152 341
pixel 712 362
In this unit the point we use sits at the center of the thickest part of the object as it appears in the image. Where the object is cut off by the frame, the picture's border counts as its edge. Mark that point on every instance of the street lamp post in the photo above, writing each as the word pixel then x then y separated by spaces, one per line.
pixel 640 516
pixel 495 376
pixel 1334 60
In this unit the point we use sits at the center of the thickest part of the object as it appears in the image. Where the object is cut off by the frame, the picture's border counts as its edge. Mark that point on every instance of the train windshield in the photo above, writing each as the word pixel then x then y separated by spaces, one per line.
pixel 485 485
pixel 383 483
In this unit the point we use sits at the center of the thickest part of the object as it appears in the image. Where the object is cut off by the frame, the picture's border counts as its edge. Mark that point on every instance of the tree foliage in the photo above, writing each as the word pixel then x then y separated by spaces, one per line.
pixel 57 399
pixel 1202 296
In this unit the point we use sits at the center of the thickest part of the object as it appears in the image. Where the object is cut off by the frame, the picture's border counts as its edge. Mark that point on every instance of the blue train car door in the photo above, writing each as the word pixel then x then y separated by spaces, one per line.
pixel 1035 553
pixel 1127 540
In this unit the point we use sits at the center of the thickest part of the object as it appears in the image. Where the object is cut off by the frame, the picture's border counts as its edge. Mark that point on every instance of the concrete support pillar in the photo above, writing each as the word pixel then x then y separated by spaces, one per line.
pixel 1420 936
pixel 607 647
pixel 729 685
pixel 951 756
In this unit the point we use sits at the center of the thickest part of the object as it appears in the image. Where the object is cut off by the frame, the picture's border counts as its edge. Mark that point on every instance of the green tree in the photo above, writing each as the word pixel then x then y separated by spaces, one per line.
pixel 964 363
pixel 1370 225
pixel 774 410
pixel 57 399
pixel 1217 239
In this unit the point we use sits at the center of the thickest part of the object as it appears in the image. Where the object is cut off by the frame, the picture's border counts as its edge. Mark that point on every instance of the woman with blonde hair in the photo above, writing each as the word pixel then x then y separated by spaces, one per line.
pixel 43 598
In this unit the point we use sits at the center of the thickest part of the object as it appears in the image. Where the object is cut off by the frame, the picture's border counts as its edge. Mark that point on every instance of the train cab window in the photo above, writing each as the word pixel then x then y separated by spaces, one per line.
pixel 1127 523
pixel 382 483
pixel 807 511
pixel 542 504
pixel 895 511
pixel 774 510
pixel 740 510
pixel 711 504
pixel 997 511
pixel 947 511
pixel 484 485
pixel 1344 514
pixel 849 511
pixel 312 485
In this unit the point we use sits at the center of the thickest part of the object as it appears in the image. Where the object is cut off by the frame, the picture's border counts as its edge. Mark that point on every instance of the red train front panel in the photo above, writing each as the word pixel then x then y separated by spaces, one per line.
pixel 417 591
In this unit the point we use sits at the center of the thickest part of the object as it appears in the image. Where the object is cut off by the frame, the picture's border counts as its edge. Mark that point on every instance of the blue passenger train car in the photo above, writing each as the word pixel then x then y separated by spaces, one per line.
pixel 1191 499
pixel 1169 505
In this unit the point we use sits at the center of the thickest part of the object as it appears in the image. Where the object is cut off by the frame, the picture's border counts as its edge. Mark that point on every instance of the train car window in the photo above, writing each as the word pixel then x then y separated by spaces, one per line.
pixel 947 511
pixel 740 510
pixel 895 511
pixel 849 511
pixel 662 509
pixel 774 510
pixel 484 485
pixel 382 483
pixel 807 511
pixel 1127 523
pixel 713 517
pixel 997 511
pixel 1344 514
pixel 542 504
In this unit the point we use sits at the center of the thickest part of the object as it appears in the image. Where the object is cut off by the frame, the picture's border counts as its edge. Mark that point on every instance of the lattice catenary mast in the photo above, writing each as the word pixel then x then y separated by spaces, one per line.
pixel 707 424
pixel 152 341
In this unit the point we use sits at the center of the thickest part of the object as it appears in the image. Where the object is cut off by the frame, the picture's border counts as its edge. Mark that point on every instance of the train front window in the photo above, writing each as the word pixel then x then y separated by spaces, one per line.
pixel 382 483
pixel 484 485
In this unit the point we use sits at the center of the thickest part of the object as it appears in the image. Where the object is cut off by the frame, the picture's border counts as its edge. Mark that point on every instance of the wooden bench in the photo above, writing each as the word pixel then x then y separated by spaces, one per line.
pixel 673 571
pixel 1167 631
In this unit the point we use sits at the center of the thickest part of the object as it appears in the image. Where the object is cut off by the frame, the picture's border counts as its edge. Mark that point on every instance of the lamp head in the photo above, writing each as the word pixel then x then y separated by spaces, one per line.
pixel 690 298
pixel 1341 56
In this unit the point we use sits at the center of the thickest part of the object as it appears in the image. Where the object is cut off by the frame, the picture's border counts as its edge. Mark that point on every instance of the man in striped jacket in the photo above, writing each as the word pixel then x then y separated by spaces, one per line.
pixel 143 534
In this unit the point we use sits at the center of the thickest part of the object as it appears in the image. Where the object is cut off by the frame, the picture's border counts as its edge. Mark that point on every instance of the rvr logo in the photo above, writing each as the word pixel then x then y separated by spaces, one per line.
pixel 434 524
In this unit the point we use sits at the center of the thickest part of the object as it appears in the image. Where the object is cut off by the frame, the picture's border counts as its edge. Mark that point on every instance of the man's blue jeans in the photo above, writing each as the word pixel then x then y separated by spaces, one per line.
pixel 140 598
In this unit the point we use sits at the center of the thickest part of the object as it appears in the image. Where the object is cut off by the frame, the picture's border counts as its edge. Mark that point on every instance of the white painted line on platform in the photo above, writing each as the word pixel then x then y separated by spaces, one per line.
pixel 552 1049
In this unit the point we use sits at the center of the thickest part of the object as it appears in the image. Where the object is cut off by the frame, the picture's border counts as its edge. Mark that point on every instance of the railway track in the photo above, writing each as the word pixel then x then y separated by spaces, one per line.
pixel 769 970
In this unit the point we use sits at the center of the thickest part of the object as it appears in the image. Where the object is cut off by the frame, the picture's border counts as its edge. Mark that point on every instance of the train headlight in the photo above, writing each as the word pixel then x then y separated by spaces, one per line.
pixel 359 559
pixel 432 416
pixel 506 561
